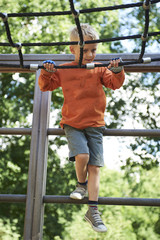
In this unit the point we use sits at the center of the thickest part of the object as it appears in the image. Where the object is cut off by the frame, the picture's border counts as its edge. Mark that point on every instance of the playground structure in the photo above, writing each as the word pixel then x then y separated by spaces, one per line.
pixel 35 197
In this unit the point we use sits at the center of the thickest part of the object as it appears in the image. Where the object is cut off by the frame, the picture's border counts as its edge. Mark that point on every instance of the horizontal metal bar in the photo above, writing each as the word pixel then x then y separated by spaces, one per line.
pixel 18 198
pixel 132 132
pixel 62 58
pixel 104 201
pixel 15 131
pixel 14 198
pixel 116 132
pixel 107 132
pixel 55 131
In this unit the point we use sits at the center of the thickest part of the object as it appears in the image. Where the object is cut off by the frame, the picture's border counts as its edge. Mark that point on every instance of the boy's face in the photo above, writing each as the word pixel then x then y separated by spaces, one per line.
pixel 89 51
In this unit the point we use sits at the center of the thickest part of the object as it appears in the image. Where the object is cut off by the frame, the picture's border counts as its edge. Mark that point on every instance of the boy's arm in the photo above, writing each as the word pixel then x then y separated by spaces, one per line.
pixel 114 77
pixel 48 79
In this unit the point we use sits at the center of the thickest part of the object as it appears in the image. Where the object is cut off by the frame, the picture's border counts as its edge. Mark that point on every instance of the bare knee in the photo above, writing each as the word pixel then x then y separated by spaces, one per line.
pixel 93 169
pixel 83 158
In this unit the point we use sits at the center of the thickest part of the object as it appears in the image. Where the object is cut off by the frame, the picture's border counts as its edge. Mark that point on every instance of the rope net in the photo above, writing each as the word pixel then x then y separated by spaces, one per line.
pixel 144 36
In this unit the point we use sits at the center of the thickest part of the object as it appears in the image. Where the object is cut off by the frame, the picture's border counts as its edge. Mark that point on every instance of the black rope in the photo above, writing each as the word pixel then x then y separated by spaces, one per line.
pixel 86 42
pixel 76 18
pixel 12 44
pixel 146 6
pixel 89 10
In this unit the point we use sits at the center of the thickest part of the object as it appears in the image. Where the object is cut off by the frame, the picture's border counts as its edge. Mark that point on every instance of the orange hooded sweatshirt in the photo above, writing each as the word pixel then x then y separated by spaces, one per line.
pixel 84 98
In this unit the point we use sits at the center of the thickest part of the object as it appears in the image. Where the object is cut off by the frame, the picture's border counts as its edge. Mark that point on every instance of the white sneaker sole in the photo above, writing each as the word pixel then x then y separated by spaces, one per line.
pixel 76 196
pixel 95 228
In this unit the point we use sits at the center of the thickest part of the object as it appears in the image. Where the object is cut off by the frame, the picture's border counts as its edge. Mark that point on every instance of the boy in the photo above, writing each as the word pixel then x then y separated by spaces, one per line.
pixel 83 115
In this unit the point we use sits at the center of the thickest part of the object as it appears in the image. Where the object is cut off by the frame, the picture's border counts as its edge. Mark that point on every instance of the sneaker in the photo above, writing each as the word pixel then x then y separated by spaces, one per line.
pixel 80 192
pixel 94 219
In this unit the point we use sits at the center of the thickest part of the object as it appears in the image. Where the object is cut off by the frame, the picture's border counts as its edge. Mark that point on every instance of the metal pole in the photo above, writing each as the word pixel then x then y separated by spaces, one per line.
pixel 132 132
pixel 13 198
pixel 105 201
pixel 117 132
pixel 32 164
pixel 62 58
pixel 107 132
pixel 34 155
pixel 17 198
pixel 41 171
pixel 15 131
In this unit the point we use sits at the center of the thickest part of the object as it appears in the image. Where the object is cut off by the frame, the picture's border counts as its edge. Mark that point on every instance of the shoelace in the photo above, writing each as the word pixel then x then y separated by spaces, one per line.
pixel 80 190
pixel 97 218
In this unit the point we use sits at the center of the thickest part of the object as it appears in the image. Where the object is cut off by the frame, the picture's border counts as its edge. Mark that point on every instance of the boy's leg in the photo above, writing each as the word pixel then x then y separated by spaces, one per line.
pixel 93 177
pixel 81 172
pixel 95 143
pixel 93 215
pixel 79 152
pixel 81 167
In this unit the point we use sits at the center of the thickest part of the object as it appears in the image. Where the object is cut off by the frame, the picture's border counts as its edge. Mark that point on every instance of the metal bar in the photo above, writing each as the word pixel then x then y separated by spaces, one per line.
pixel 132 132
pixel 105 201
pixel 55 131
pixel 13 198
pixel 15 131
pixel 32 163
pixel 62 58
pixel 41 172
pixel 116 132
pixel 107 132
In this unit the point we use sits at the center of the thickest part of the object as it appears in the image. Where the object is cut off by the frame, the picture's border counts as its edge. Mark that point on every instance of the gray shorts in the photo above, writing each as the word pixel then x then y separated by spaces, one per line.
pixel 88 140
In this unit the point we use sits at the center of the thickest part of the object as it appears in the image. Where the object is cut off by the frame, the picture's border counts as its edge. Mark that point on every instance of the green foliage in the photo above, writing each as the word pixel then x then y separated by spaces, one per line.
pixel 54 28
pixel 16 97
pixel 123 222
pixel 144 110
pixel 136 26
pixel 7 232
pixel 60 181
pixel 13 179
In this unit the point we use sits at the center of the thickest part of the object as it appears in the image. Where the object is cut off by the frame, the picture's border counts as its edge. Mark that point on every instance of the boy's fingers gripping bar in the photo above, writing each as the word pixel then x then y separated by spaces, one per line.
pixel 116 69
pixel 49 61
pixel 116 58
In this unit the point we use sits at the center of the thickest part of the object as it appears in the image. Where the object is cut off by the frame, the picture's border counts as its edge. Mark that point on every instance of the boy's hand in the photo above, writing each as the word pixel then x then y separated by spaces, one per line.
pixel 114 65
pixel 49 66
